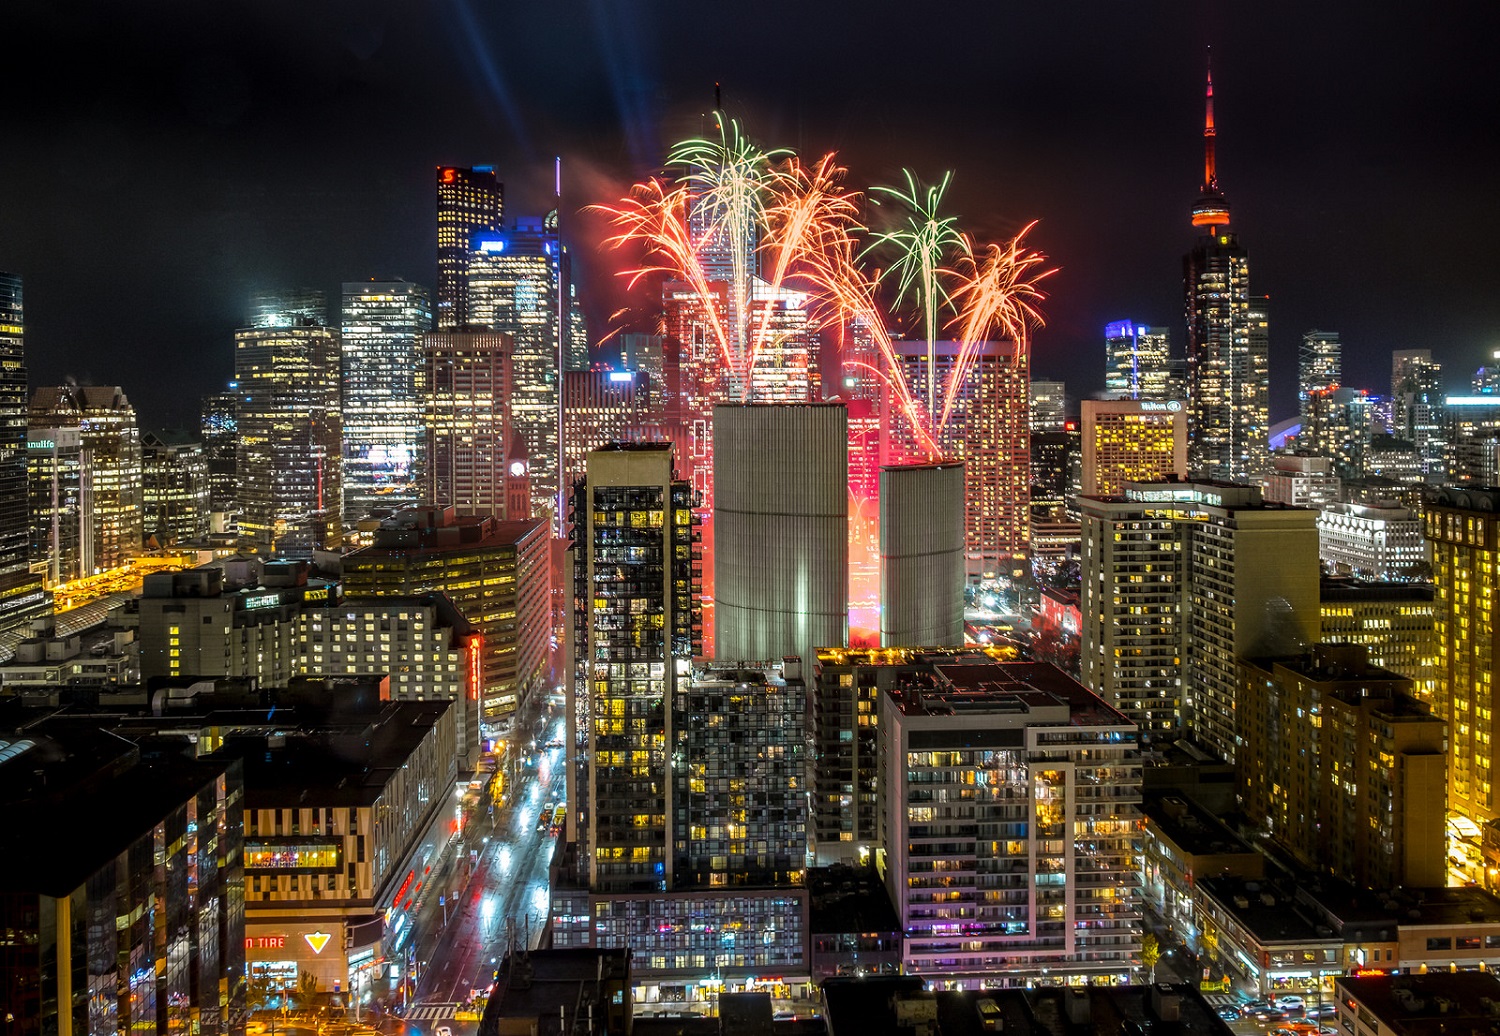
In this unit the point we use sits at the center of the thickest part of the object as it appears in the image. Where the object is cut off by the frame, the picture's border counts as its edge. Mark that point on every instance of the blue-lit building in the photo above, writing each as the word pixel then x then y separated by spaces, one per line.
pixel 1137 362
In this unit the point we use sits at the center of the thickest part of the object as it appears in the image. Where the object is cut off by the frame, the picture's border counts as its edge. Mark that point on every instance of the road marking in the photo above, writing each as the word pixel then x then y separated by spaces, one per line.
pixel 431 1012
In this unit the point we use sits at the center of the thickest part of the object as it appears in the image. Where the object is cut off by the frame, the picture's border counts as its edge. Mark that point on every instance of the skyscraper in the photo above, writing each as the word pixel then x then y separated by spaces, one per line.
pixel 1227 354
pixel 1180 579
pixel 1131 440
pixel 62 503
pixel 1137 361
pixel 1463 527
pixel 21 593
pixel 635 632
pixel 106 424
pixel 1418 414
pixel 468 201
pixel 174 488
pixel 1049 406
pixel 601 407
pixel 467 414
pixel 781 529
pixel 989 433
pixel 218 425
pixel 1320 366
pixel 921 555
pixel 381 365
pixel 512 287
pixel 287 415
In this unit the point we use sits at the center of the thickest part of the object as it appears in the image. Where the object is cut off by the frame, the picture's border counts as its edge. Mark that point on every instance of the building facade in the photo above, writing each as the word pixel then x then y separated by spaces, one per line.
pixel 175 490
pixel 60 486
pixel 380 363
pixel 1010 808
pixel 1394 622
pixel 921 555
pixel 1371 541
pixel 1137 361
pixel 469 201
pixel 22 597
pixel 1130 440
pixel 781 529
pixel 469 430
pixel 287 416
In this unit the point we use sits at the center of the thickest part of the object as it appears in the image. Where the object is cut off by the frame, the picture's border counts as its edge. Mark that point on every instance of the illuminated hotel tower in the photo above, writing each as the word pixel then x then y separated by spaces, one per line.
pixel 381 361
pixel 468 200
pixel 1227 355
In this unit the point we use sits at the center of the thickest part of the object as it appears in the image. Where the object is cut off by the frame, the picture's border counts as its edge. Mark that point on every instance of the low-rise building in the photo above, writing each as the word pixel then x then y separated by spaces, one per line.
pixel 1300 480
pixel 1182 844
pixel 1247 931
pixel 1372 541
pixel 853 929
pixel 1419 1005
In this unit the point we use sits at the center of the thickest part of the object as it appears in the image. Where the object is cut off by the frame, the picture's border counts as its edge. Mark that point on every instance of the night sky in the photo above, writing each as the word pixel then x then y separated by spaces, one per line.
pixel 161 160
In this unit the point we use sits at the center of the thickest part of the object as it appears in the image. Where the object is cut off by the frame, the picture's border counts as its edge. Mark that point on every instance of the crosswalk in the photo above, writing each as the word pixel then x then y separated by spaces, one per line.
pixel 1222 999
pixel 430 1012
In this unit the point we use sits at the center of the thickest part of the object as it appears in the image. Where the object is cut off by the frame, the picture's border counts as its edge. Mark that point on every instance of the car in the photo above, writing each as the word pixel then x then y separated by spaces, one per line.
pixel 1326 1008
pixel 443 1030
pixel 1229 1014
pixel 1267 1014
pixel 1291 1002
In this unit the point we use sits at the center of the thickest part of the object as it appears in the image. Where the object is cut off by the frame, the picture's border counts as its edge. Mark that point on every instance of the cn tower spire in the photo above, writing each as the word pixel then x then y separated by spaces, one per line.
pixel 1211 210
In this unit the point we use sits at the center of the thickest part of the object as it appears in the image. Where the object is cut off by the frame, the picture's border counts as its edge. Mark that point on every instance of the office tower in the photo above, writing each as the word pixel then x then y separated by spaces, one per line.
pixel 1179 580
pixel 290 451
pixel 498 574
pixel 1343 767
pixel 1020 780
pixel 468 201
pixel 380 352
pixel 106 424
pixel 634 635
pixel 219 432
pixel 788 361
pixel 174 488
pixel 1320 368
pixel 694 352
pixel 1338 423
pixel 1372 541
pixel 123 894
pixel 1130 440
pixel 21 595
pixel 296 307
pixel 1299 480
pixel 921 555
pixel 1049 403
pixel 1393 622
pixel 781 529
pixel 1137 361
pixel 512 287
pixel 60 480
pixel 604 406
pixel 1417 406
pixel 1463 527
pixel 467 414
pixel 1227 356
pixel 988 433
pixel 1487 379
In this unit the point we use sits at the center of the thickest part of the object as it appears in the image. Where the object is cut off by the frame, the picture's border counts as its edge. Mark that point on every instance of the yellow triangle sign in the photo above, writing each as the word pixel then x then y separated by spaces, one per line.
pixel 317 940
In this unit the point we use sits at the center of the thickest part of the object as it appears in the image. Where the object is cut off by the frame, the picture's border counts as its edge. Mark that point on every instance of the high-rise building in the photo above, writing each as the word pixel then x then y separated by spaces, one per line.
pixel 1026 785
pixel 921 555
pixel 1320 368
pixel 632 641
pixel 1463 527
pixel 1049 406
pixel 1337 424
pixel 290 444
pixel 1180 579
pixel 1343 767
pixel 1417 406
pixel 1227 345
pixel 605 406
pixel 380 352
pixel 1299 480
pixel 1137 361
pixel 106 424
pixel 21 595
pixel 513 287
pixel 219 431
pixel 1486 380
pixel 781 529
pixel 62 504
pixel 987 431
pixel 1130 440
pixel 175 489
pixel 467 414
pixel 468 201
pixel 497 573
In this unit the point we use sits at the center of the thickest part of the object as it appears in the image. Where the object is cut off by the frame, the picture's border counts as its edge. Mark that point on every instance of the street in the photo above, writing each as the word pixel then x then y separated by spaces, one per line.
pixel 501 900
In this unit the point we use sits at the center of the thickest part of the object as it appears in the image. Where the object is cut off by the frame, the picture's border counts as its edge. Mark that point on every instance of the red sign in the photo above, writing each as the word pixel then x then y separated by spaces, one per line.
pixel 265 942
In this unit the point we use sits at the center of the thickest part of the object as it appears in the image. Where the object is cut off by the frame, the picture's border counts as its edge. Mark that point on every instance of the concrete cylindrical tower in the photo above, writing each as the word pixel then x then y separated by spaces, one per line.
pixel 781 529
pixel 922 555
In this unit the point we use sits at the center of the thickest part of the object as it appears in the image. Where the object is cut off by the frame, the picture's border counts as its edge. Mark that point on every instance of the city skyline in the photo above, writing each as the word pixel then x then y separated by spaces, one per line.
pixel 1321 133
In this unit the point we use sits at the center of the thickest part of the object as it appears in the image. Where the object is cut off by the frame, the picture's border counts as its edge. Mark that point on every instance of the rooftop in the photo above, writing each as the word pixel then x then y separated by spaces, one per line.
pixel 1341 589
pixel 965 685
pixel 1191 828
pixel 1265 909
pixel 1437 1002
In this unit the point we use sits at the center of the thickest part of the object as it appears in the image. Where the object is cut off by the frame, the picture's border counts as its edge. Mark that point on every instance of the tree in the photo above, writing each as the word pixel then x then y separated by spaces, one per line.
pixel 1150 954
